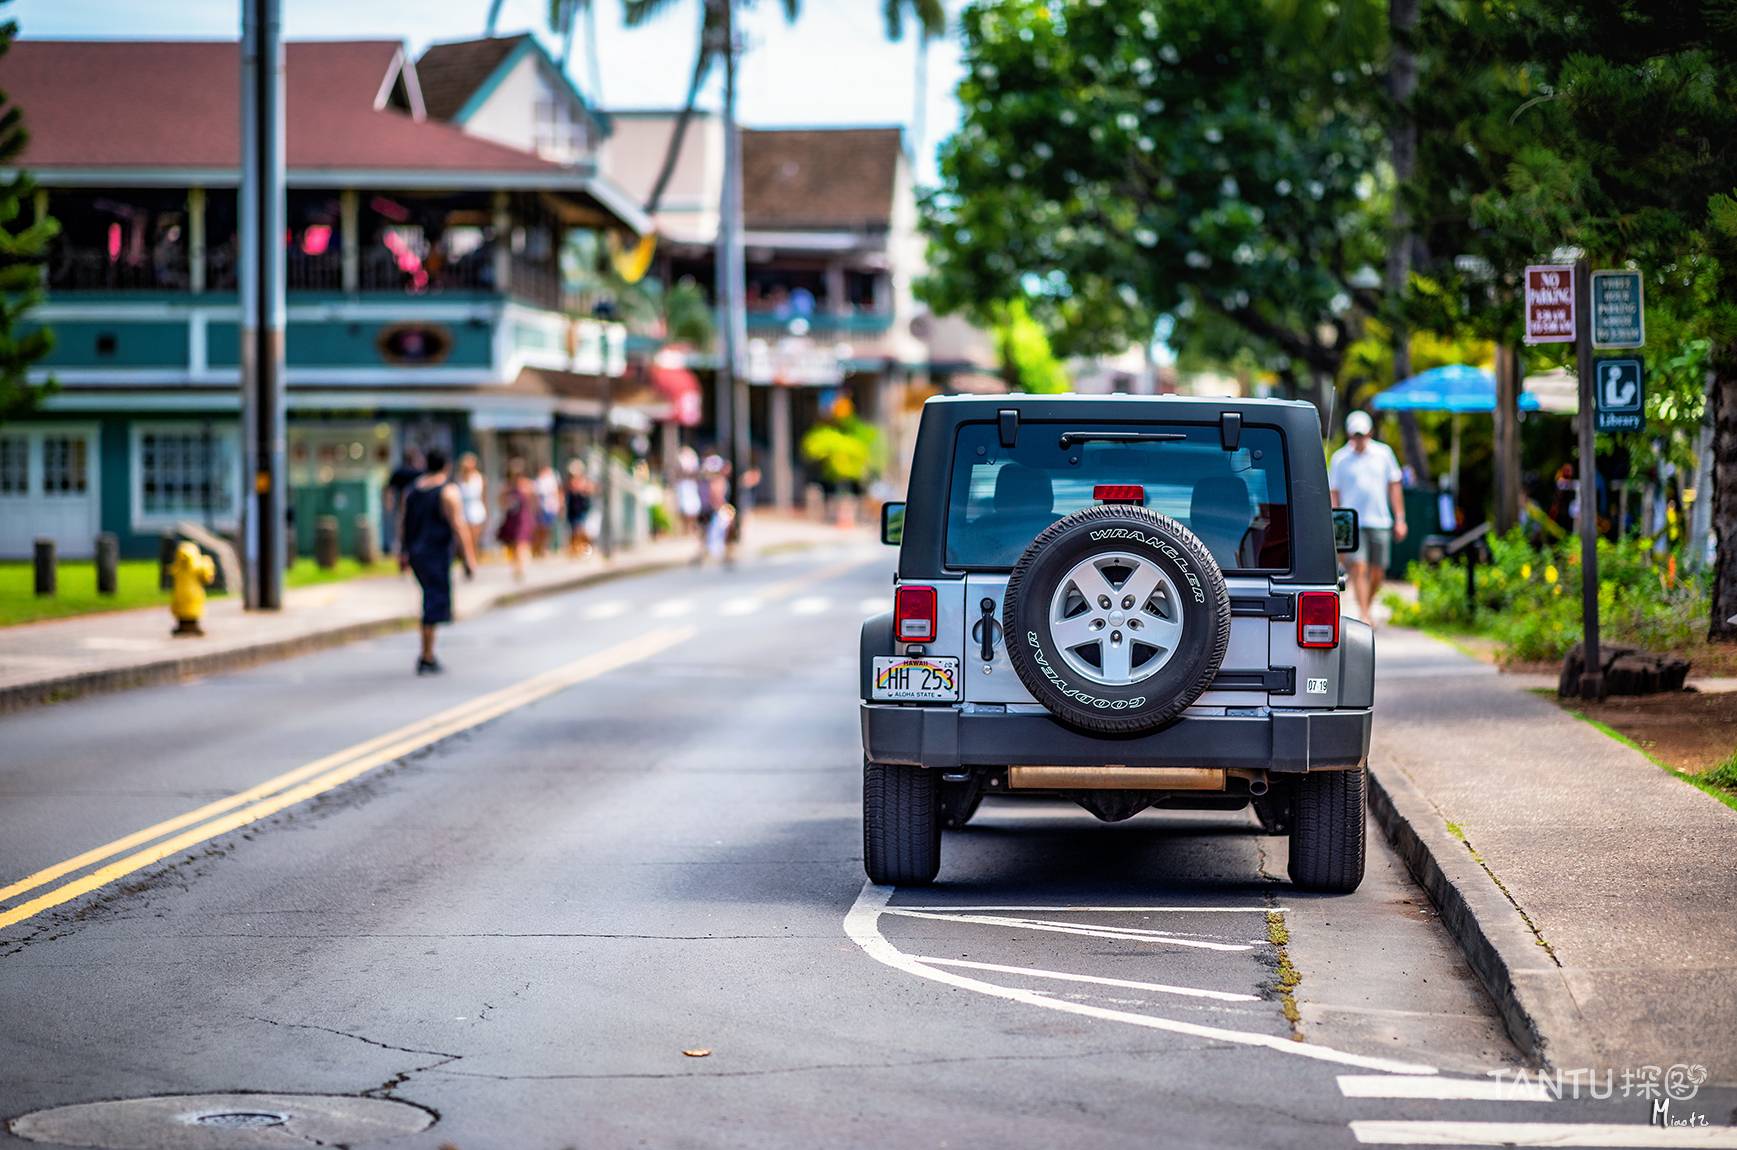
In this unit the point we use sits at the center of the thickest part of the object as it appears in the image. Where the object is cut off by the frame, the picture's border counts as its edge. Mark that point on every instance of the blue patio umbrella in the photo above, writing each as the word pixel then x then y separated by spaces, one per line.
pixel 1457 388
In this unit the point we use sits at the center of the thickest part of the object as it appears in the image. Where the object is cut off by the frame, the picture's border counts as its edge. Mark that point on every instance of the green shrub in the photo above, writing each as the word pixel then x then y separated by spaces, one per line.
pixel 1528 598
pixel 660 521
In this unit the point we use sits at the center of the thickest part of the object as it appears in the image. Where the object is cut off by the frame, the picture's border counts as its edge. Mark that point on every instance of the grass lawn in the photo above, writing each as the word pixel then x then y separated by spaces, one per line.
pixel 306 573
pixel 77 593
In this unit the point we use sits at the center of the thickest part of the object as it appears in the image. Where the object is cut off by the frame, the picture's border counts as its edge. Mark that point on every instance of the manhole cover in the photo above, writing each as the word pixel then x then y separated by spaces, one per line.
pixel 241 1119
pixel 223 1122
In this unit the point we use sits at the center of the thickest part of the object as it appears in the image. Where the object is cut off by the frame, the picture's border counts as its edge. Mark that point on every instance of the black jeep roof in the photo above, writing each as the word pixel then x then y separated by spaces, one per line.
pixel 1312 555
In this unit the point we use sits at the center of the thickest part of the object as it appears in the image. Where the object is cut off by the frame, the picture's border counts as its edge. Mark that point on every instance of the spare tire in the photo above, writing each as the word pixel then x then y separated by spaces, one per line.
pixel 1117 619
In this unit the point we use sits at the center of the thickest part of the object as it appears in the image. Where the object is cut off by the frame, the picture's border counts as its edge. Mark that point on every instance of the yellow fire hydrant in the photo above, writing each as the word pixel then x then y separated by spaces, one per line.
pixel 190 573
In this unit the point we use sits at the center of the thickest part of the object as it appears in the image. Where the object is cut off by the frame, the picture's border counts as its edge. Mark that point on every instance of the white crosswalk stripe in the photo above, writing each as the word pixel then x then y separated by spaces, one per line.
pixel 1486 1089
pixel 810 605
pixel 746 605
pixel 610 609
pixel 672 608
pixel 1383 1132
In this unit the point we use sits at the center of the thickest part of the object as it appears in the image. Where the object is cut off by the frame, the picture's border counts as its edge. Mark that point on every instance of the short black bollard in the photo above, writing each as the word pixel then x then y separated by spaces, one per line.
pixel 46 580
pixel 108 561
pixel 367 545
pixel 326 542
pixel 166 544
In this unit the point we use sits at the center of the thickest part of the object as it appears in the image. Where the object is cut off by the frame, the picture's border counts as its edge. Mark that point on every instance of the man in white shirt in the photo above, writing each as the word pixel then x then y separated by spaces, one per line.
pixel 1364 476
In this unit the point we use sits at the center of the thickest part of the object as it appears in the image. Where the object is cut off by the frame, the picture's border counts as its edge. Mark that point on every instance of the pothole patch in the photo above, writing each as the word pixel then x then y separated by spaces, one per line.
pixel 223 1122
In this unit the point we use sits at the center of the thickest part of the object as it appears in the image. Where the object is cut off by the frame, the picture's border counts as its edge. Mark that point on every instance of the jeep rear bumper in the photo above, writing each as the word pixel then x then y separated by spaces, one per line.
pixel 1289 742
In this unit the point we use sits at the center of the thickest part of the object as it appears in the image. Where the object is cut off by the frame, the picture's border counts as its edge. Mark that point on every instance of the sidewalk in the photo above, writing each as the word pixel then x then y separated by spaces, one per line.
pixel 62 658
pixel 1594 894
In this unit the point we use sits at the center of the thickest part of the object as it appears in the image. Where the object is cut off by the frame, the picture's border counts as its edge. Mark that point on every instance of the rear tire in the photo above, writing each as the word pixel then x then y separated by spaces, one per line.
pixel 901 824
pixel 1327 834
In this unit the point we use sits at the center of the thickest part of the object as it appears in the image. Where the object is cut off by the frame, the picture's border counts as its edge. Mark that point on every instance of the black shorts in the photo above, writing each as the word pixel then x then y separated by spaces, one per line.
pixel 434 574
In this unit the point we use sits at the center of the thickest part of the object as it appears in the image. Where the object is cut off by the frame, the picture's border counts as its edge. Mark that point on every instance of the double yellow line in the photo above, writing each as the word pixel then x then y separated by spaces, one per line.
pixel 315 778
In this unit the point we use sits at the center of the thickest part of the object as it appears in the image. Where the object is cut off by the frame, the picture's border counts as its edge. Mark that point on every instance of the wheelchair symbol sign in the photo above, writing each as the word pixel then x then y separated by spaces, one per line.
pixel 1620 392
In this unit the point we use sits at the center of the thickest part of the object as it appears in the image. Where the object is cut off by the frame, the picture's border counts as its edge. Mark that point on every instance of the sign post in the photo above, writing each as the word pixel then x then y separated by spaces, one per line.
pixel 1618 310
pixel 1553 302
pixel 1622 394
pixel 1592 674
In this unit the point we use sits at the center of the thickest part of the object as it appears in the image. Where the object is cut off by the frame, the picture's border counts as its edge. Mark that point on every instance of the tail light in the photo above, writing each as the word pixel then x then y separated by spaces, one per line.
pixel 914 614
pixel 1119 493
pixel 1318 619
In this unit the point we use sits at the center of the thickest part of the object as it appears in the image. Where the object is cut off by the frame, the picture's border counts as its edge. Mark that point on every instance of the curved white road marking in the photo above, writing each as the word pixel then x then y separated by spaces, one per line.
pixel 1482 1089
pixel 862 926
pixel 1113 909
pixel 1413 1133
pixel 1125 934
pixel 1124 983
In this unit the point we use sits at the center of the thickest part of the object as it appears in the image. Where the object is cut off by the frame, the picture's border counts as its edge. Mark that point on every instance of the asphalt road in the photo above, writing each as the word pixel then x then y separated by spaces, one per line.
pixel 655 847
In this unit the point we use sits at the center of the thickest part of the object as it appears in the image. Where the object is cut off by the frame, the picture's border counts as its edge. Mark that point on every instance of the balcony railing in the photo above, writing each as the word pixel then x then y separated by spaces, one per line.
pixel 322 271
pixel 413 273
pixel 92 269
pixel 379 270
pixel 821 322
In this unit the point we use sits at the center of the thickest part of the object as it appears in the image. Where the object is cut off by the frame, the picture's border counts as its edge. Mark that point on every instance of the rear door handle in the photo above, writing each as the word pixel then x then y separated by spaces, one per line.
pixel 984 631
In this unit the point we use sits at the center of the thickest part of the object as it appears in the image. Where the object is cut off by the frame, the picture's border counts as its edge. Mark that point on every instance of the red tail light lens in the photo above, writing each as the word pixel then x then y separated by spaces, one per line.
pixel 1318 619
pixel 1119 493
pixel 914 614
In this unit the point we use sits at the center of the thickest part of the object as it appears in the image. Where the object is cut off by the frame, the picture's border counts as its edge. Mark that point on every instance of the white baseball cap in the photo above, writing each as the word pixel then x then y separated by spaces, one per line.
pixel 1359 423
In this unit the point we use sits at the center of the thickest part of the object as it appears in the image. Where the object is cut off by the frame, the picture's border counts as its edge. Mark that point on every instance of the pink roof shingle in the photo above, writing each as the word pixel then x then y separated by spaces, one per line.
pixel 176 104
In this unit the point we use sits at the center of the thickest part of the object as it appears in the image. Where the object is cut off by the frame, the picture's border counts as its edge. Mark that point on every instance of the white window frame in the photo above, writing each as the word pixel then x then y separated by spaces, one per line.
pixel 144 523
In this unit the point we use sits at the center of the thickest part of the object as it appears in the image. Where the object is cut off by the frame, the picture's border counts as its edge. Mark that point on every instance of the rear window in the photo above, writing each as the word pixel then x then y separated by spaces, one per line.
pixel 1237 502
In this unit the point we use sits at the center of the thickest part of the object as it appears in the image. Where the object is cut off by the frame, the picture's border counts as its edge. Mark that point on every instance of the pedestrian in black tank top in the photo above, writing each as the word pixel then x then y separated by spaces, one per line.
pixel 431 529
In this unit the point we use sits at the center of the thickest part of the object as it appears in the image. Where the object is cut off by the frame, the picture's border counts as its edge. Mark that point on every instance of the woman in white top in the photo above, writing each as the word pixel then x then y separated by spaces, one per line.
pixel 473 490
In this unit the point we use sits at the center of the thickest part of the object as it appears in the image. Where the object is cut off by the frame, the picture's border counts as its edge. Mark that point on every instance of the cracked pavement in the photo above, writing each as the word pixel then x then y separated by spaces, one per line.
pixel 523 928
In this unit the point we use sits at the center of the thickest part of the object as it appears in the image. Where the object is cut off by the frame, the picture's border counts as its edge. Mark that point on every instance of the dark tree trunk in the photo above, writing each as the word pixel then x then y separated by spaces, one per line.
pixel 1724 401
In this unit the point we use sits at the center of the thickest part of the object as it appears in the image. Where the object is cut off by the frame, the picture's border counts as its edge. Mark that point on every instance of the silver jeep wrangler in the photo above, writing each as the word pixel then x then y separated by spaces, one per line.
pixel 1125 601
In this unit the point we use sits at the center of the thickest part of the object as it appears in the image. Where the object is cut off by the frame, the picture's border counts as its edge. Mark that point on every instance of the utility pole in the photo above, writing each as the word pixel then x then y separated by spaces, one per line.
pixel 262 300
pixel 1401 87
pixel 1592 677
pixel 732 386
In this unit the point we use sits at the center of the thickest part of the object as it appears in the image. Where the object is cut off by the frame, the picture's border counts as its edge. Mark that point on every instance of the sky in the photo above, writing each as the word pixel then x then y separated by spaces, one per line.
pixel 833 66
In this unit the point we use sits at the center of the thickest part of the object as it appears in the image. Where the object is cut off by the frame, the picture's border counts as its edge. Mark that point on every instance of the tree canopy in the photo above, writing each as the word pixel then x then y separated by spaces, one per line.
pixel 1119 161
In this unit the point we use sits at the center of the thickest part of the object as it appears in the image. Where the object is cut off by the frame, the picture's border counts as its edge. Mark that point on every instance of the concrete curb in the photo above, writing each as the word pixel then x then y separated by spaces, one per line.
pixel 1529 989
pixel 170 670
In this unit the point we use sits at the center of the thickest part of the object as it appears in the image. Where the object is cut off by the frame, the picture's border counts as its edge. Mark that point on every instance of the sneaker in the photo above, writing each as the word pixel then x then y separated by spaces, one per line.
pixel 428 667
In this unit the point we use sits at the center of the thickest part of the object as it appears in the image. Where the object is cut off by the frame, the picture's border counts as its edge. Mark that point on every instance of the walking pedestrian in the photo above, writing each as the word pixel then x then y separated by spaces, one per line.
pixel 410 465
pixel 689 502
pixel 548 492
pixel 578 500
pixel 473 487
pixel 518 516
pixel 433 529
pixel 1364 475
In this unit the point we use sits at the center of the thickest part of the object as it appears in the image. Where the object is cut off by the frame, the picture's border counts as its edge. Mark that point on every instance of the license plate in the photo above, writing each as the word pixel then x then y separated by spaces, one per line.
pixel 915 679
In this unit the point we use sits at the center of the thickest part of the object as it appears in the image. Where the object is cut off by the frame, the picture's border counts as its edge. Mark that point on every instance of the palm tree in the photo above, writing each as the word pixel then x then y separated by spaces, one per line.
pixel 931 20
pixel 930 17
pixel 564 17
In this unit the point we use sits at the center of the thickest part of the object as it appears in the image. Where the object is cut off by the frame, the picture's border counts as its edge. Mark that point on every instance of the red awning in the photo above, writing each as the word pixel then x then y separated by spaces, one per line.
pixel 679 385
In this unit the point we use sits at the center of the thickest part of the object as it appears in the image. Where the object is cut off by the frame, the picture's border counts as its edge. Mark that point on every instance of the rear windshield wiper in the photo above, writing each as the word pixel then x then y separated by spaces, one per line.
pixel 1069 438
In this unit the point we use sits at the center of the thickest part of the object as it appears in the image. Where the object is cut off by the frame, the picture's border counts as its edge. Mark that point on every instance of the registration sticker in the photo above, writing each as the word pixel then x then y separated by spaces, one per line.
pixel 915 679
